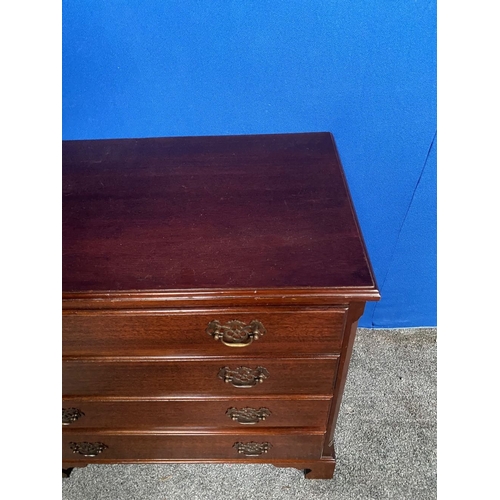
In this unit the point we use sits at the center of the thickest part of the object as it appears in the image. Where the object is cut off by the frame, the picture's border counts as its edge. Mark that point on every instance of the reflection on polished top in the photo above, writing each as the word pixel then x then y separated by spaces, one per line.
pixel 190 213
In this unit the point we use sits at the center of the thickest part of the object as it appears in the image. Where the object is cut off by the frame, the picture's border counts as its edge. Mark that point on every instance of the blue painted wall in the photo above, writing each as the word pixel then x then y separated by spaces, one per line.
pixel 363 69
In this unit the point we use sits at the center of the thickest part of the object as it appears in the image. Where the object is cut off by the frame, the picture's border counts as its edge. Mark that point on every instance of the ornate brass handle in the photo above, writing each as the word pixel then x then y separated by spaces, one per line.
pixel 248 415
pixel 242 376
pixel 252 449
pixel 87 449
pixel 236 333
pixel 70 415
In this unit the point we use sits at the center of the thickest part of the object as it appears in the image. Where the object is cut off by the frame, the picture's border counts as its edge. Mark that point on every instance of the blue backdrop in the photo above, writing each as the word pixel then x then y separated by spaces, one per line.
pixel 363 69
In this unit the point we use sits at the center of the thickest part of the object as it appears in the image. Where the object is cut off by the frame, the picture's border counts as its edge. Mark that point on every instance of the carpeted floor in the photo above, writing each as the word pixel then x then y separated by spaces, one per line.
pixel 385 441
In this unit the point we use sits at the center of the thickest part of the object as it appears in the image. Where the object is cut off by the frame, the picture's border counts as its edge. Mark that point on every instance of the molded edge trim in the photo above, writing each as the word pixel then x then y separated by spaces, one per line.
pixel 216 297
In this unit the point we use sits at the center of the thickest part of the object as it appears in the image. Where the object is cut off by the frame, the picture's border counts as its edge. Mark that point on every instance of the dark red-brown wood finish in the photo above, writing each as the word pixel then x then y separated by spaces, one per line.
pixel 211 292
pixel 263 211
pixel 116 332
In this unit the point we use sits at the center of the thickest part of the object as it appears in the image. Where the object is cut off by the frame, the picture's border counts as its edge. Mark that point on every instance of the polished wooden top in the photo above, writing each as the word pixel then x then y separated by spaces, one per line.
pixel 228 212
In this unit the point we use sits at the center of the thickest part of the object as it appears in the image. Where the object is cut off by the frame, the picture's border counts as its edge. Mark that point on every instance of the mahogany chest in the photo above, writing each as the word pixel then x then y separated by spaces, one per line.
pixel 211 292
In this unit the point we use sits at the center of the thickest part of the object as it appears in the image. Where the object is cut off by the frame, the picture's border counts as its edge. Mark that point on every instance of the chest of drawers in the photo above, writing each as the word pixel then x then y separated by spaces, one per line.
pixel 211 292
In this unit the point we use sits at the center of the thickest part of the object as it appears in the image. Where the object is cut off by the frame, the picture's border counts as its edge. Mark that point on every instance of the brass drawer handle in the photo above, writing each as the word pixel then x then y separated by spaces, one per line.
pixel 252 449
pixel 236 333
pixel 70 415
pixel 87 449
pixel 248 415
pixel 242 376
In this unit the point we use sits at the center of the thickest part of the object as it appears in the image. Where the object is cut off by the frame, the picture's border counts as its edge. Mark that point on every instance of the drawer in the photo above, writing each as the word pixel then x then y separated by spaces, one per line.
pixel 226 413
pixel 198 378
pixel 112 447
pixel 209 331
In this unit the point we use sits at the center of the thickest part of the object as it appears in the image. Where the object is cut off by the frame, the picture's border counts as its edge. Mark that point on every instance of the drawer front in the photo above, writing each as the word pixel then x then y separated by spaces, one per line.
pixel 229 413
pixel 165 378
pixel 210 332
pixel 104 447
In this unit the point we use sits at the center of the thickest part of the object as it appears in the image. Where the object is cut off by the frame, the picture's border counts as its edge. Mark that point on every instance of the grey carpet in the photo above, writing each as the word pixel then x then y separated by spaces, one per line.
pixel 385 441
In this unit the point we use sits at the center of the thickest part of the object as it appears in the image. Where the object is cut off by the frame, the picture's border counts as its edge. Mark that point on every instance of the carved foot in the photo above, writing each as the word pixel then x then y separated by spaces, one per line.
pixel 66 472
pixel 314 469
pixel 69 466
pixel 320 470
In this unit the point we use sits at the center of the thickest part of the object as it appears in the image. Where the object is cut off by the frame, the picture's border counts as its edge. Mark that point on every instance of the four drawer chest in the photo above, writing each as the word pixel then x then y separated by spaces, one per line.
pixel 211 292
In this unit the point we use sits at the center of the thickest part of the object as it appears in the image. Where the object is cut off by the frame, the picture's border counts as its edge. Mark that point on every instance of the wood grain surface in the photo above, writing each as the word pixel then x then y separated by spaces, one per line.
pixel 148 447
pixel 160 414
pixel 176 332
pixel 169 377
pixel 263 211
